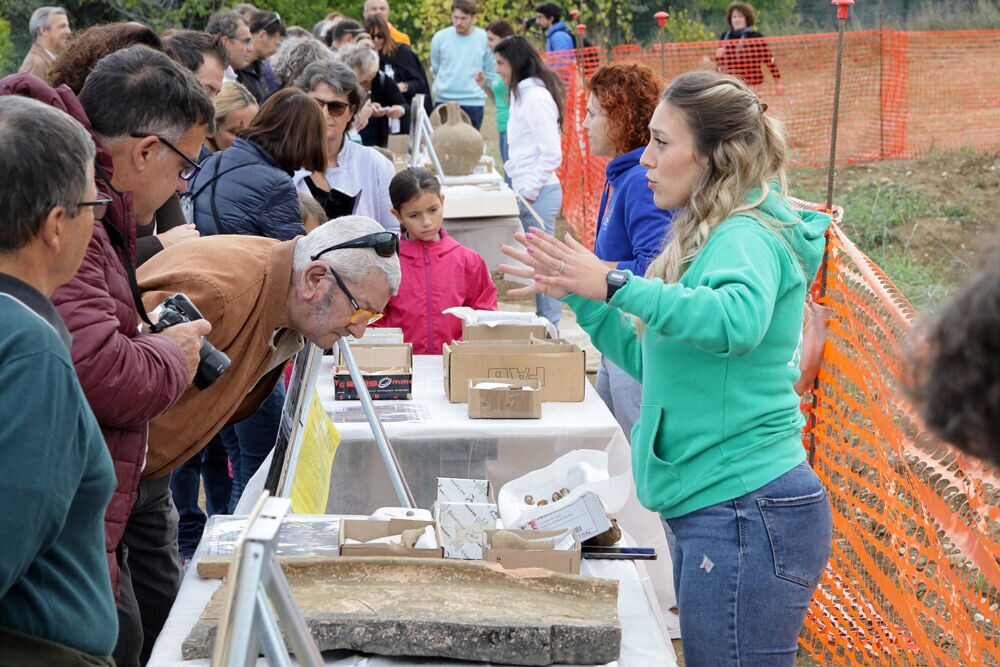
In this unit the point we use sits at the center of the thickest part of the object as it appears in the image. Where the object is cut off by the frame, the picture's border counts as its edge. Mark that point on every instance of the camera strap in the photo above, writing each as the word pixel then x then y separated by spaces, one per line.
pixel 118 241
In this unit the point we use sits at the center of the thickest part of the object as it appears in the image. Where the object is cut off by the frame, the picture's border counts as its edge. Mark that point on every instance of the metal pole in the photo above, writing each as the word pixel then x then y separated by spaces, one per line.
pixel 661 20
pixel 843 8
pixel 378 431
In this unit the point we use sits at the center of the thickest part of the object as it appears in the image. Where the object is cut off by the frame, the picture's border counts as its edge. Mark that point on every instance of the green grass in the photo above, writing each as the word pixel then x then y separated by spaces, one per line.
pixel 876 218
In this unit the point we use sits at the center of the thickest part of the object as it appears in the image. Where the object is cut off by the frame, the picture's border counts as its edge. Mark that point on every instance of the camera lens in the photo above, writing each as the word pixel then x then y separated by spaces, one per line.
pixel 211 366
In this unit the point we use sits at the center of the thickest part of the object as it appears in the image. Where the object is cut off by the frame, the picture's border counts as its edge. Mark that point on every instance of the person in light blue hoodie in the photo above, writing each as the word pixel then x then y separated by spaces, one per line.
pixel 458 55
pixel 714 331
pixel 630 227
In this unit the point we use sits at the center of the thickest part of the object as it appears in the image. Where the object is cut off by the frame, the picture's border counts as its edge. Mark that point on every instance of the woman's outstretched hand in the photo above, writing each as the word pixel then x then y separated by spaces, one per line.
pixel 556 268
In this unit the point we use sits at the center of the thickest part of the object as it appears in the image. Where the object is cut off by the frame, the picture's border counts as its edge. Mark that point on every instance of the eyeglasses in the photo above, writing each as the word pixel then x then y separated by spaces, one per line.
pixel 275 19
pixel 188 172
pixel 361 315
pixel 336 108
pixel 386 244
pixel 100 205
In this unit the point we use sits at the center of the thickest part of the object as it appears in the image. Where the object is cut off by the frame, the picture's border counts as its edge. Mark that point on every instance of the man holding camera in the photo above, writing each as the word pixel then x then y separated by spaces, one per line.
pixel 57 474
pixel 148 118
pixel 263 298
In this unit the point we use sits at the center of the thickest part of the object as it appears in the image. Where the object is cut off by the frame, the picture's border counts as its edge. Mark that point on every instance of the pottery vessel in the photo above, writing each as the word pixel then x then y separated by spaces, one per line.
pixel 458 145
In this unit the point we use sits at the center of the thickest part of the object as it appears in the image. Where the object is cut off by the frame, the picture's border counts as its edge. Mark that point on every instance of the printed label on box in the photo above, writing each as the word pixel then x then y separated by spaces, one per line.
pixel 585 516
pixel 452 489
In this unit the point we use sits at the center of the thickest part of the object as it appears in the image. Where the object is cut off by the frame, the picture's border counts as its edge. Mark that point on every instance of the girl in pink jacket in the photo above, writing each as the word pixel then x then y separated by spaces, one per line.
pixel 438 271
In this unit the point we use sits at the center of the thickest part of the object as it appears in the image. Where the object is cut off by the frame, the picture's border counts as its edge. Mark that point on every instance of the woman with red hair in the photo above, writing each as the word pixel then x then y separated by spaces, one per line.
pixel 630 228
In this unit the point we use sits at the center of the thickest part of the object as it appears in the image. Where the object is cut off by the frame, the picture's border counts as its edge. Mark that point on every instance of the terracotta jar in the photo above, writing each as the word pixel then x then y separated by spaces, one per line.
pixel 458 145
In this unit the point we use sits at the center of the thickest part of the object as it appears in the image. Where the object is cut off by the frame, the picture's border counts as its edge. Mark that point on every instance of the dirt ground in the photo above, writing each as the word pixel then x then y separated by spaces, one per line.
pixel 963 185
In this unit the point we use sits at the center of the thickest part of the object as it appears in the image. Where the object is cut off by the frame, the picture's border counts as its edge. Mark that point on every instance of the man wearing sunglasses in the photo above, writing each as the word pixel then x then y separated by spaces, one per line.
pixel 265 298
pixel 148 117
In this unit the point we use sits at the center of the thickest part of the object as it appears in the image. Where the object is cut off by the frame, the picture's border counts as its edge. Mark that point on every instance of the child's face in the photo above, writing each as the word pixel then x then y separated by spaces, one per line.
pixel 422 216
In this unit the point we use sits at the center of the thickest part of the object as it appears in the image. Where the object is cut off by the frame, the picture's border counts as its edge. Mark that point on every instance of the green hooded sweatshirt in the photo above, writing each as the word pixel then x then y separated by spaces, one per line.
pixel 718 356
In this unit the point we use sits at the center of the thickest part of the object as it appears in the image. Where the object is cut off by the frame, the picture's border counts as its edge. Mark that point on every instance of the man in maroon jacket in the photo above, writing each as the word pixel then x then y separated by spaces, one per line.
pixel 148 118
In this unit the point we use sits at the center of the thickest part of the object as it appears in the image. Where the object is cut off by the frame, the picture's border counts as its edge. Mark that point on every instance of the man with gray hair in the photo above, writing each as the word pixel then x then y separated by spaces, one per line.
pixel 58 476
pixel 235 32
pixel 148 117
pixel 381 8
pixel 331 283
pixel 49 27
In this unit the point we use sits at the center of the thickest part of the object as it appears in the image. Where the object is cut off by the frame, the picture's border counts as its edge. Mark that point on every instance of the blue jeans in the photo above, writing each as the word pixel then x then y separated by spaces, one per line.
pixel 504 155
pixel 248 442
pixel 475 115
pixel 621 392
pixel 547 207
pixel 211 464
pixel 745 571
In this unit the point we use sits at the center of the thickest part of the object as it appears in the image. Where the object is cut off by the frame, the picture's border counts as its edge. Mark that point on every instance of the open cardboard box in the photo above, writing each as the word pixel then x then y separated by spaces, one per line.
pixel 558 366
pixel 510 402
pixel 567 561
pixel 387 370
pixel 371 529
pixel 509 331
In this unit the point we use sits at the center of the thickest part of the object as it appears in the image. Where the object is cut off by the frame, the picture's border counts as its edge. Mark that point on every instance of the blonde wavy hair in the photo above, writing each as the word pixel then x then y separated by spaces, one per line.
pixel 744 150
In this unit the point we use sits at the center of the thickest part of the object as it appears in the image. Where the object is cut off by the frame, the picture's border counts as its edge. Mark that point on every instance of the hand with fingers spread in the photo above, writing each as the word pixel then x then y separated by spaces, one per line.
pixel 557 268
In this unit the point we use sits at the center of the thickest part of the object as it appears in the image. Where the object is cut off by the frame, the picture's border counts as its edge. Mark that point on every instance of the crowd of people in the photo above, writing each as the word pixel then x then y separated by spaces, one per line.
pixel 239 165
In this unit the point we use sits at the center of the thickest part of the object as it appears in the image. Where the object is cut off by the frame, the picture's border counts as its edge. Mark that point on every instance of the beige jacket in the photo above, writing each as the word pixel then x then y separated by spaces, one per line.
pixel 240 284
pixel 37 62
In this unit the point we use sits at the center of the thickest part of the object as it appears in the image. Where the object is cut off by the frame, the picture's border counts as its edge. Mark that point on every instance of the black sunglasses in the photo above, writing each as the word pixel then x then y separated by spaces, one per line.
pixel 100 205
pixel 386 244
pixel 188 172
pixel 336 108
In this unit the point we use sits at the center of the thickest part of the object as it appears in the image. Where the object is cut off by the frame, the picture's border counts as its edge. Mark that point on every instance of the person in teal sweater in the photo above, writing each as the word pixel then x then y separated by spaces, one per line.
pixel 56 604
pixel 495 88
pixel 713 331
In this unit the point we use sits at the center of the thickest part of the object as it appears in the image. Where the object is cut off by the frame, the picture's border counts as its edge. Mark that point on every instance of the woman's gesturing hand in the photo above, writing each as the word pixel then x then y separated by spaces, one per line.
pixel 556 268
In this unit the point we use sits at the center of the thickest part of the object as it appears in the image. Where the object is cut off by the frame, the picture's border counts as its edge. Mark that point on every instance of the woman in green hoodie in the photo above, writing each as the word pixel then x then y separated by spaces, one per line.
pixel 713 332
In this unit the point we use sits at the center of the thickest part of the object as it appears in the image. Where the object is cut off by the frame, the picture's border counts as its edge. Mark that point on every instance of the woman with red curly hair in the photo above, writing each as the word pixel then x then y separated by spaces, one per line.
pixel 630 228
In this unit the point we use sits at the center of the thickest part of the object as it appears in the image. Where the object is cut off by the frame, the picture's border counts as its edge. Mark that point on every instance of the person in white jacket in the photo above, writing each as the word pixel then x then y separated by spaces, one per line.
pixel 534 140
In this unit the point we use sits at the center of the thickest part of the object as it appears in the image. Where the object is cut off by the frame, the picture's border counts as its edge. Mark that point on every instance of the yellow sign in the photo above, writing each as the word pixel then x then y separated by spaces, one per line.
pixel 311 486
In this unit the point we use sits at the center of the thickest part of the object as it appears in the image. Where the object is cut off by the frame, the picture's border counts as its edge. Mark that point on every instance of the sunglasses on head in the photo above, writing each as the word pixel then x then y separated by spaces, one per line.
pixel 335 108
pixel 385 244
pixel 274 19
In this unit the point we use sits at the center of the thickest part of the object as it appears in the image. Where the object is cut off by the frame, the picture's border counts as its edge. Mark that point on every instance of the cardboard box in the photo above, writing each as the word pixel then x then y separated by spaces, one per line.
pixel 510 402
pixel 510 331
pixel 369 529
pixel 462 527
pixel 457 489
pixel 387 371
pixel 585 515
pixel 399 144
pixel 558 560
pixel 559 366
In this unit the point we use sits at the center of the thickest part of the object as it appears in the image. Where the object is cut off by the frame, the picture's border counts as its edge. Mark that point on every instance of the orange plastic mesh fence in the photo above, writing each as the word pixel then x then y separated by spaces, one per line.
pixel 913 574
pixel 903 94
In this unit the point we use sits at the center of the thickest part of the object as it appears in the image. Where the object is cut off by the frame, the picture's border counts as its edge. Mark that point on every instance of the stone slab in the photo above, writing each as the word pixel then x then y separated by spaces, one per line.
pixel 467 610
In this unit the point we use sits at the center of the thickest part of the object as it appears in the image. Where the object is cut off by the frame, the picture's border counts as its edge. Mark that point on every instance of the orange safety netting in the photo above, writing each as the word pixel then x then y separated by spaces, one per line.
pixel 913 576
pixel 904 94
pixel 913 573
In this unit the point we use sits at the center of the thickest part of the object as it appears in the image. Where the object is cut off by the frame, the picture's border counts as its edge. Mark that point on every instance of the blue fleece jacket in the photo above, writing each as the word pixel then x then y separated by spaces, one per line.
pixel 630 228
pixel 718 358
pixel 559 38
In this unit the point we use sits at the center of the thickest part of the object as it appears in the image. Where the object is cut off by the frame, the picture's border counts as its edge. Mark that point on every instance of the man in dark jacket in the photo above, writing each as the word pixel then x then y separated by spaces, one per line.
pixel 57 474
pixel 267 31
pixel 148 118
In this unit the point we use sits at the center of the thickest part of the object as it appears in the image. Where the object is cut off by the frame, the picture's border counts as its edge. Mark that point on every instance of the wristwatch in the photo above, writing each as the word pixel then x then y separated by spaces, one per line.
pixel 616 279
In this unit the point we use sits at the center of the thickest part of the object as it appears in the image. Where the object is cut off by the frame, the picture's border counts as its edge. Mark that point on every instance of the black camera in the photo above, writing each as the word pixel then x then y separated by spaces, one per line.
pixel 529 23
pixel 212 362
